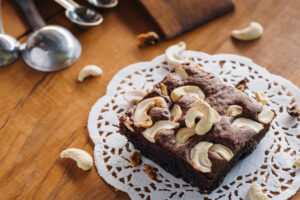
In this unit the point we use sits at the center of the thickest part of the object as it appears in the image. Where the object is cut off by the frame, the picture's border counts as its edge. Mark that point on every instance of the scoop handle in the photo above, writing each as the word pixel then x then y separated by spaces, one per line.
pixel 31 12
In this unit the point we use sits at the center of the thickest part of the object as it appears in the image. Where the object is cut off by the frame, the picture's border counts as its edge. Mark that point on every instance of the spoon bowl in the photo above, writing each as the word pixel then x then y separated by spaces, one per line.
pixel 104 3
pixel 51 48
pixel 84 16
pixel 9 49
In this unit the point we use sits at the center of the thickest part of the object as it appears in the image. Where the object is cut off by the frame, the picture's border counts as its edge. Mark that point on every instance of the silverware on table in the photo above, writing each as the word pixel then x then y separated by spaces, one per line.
pixel 9 47
pixel 50 47
pixel 80 15
pixel 104 3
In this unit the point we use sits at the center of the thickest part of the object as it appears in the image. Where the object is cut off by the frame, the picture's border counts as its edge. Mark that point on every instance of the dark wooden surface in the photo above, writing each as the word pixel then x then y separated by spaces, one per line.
pixel 43 113
pixel 176 16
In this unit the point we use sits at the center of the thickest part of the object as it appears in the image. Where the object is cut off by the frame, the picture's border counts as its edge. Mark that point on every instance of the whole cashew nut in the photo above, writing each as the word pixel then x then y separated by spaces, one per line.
pixel 89 70
pixel 244 122
pixel 181 73
pixel 187 90
pixel 83 159
pixel 141 117
pixel 202 110
pixel 256 193
pixel 253 31
pixel 199 156
pixel 149 133
pixel 173 53
pixel 134 96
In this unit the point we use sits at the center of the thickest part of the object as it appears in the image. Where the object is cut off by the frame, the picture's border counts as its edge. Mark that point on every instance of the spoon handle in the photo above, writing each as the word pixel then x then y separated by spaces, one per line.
pixel 32 14
pixel 66 4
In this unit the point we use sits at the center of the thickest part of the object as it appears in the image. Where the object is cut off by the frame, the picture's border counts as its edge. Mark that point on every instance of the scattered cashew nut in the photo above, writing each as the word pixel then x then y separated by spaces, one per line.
pixel 83 159
pixel 253 31
pixel 134 96
pixel 181 73
pixel 234 110
pixel 265 116
pixel 297 162
pixel 173 53
pixel 256 193
pixel 176 113
pixel 199 156
pixel 188 90
pixel 149 133
pixel 184 134
pixel 141 117
pixel 89 70
pixel 244 122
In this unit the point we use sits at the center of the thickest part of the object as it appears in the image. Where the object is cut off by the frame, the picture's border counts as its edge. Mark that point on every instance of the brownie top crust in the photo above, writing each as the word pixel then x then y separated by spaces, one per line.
pixel 222 141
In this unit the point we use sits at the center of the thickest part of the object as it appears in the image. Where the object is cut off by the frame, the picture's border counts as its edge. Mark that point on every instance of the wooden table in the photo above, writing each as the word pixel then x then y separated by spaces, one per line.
pixel 43 113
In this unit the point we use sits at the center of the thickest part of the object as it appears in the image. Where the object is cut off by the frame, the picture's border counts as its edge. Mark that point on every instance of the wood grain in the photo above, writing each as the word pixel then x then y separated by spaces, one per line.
pixel 176 16
pixel 43 113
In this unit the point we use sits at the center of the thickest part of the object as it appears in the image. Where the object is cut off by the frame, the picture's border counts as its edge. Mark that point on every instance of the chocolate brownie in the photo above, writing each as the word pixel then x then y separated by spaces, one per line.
pixel 195 126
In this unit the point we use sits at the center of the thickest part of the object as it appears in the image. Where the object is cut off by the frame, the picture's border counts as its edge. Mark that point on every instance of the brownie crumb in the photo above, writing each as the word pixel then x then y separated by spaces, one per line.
pixel 116 190
pixel 151 174
pixel 242 84
pixel 294 111
pixel 135 159
pixel 150 38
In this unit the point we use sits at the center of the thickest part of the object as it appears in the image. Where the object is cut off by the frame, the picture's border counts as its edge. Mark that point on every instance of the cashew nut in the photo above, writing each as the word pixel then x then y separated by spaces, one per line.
pixel 202 110
pixel 297 162
pixel 83 159
pixel 261 97
pixel 141 117
pixel 176 113
pixel 223 151
pixel 234 110
pixel 181 73
pixel 216 116
pixel 265 116
pixel 191 116
pixel 173 53
pixel 253 31
pixel 242 122
pixel 149 133
pixel 188 90
pixel 256 193
pixel 199 156
pixel 184 134
pixel 89 70
pixel 134 96
pixel 164 90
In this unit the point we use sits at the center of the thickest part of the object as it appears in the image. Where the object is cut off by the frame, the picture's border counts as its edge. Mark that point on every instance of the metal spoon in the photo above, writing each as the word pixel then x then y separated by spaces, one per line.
pixel 9 47
pixel 104 3
pixel 48 48
pixel 80 15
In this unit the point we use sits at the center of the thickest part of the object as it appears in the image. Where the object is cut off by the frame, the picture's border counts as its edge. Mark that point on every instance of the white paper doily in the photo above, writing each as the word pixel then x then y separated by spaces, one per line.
pixel 270 165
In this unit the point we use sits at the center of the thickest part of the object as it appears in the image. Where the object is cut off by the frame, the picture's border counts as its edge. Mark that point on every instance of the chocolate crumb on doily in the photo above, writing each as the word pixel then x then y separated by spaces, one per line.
pixel 135 159
pixel 294 111
pixel 151 174
pixel 150 38
pixel 242 84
